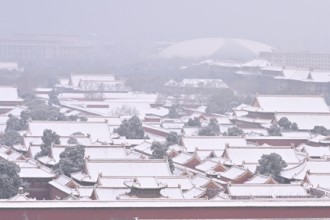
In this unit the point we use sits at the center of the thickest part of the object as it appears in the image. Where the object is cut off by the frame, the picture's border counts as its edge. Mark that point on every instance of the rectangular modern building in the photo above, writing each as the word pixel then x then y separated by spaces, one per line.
pixel 43 47
pixel 304 59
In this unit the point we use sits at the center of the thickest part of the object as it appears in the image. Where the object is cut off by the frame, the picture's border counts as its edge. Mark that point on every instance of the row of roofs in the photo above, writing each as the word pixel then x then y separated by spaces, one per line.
pixel 217 167
pixel 143 178
pixel 263 67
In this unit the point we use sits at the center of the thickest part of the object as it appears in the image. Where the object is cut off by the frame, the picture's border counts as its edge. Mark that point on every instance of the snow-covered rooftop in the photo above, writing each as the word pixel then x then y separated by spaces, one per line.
pixel 9 94
pixel 128 167
pixel 312 165
pixel 267 190
pixel 241 155
pixel 306 121
pixel 311 104
pixel 97 131
pixel 211 143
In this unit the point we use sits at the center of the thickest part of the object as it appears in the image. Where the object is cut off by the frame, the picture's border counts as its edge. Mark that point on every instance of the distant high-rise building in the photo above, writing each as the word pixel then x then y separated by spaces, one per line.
pixel 43 47
pixel 303 59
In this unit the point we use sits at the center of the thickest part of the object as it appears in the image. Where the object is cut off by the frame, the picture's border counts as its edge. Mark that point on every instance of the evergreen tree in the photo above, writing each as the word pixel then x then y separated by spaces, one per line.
pixel 159 151
pixel 173 113
pixel 9 179
pixel 214 126
pixel 73 140
pixel 52 98
pixel 284 123
pixel 11 137
pixel 194 122
pixel 206 131
pixel 48 138
pixel 221 102
pixel 234 131
pixel 287 125
pixel 271 165
pixel 24 120
pixel 320 130
pixel 172 138
pixel 14 123
pixel 72 160
pixel 294 126
pixel 131 129
pixel 274 131
pixel 212 129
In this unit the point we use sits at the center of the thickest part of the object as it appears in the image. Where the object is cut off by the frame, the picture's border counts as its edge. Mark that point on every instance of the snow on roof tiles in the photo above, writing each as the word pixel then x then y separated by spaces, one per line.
pixel 128 167
pixel 319 180
pixel 9 94
pixel 206 165
pixel 211 143
pixel 109 194
pixel 172 193
pixel 267 190
pixel 31 169
pixel 312 165
pixel 240 155
pixel 259 179
pixel 233 172
pixel 317 151
pixel 183 158
pixel 194 193
pixel 306 121
pixel 95 152
pixel 311 104
pixel 97 131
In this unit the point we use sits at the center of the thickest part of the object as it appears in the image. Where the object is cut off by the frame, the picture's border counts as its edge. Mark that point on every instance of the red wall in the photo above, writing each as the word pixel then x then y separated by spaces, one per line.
pixel 163 213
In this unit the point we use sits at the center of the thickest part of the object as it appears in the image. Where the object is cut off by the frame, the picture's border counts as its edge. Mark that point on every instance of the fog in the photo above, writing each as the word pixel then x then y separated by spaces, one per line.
pixel 288 25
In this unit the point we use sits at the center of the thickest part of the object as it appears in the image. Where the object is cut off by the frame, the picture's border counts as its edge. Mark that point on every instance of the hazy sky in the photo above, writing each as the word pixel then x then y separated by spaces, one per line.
pixel 287 24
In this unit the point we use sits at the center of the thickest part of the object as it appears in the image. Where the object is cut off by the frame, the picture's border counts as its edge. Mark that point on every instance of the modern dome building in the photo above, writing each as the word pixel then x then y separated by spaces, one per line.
pixel 216 48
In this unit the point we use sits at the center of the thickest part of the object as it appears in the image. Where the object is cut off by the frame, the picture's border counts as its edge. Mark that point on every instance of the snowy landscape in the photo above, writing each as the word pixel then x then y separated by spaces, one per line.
pixel 179 119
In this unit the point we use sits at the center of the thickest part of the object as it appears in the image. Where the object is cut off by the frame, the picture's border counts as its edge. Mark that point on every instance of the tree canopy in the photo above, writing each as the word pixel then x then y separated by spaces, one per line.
pixel 72 160
pixel 173 112
pixel 320 130
pixel 73 140
pixel 172 138
pixel 39 110
pixel 286 124
pixel 159 151
pixel 48 138
pixel 194 122
pixel 234 131
pixel 274 131
pixel 9 179
pixel 131 129
pixel 13 123
pixel 11 137
pixel 221 102
pixel 212 129
pixel 53 99
pixel 271 165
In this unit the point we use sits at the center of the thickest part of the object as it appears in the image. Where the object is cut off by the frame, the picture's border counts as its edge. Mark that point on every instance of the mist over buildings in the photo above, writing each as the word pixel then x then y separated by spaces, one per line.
pixel 287 25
